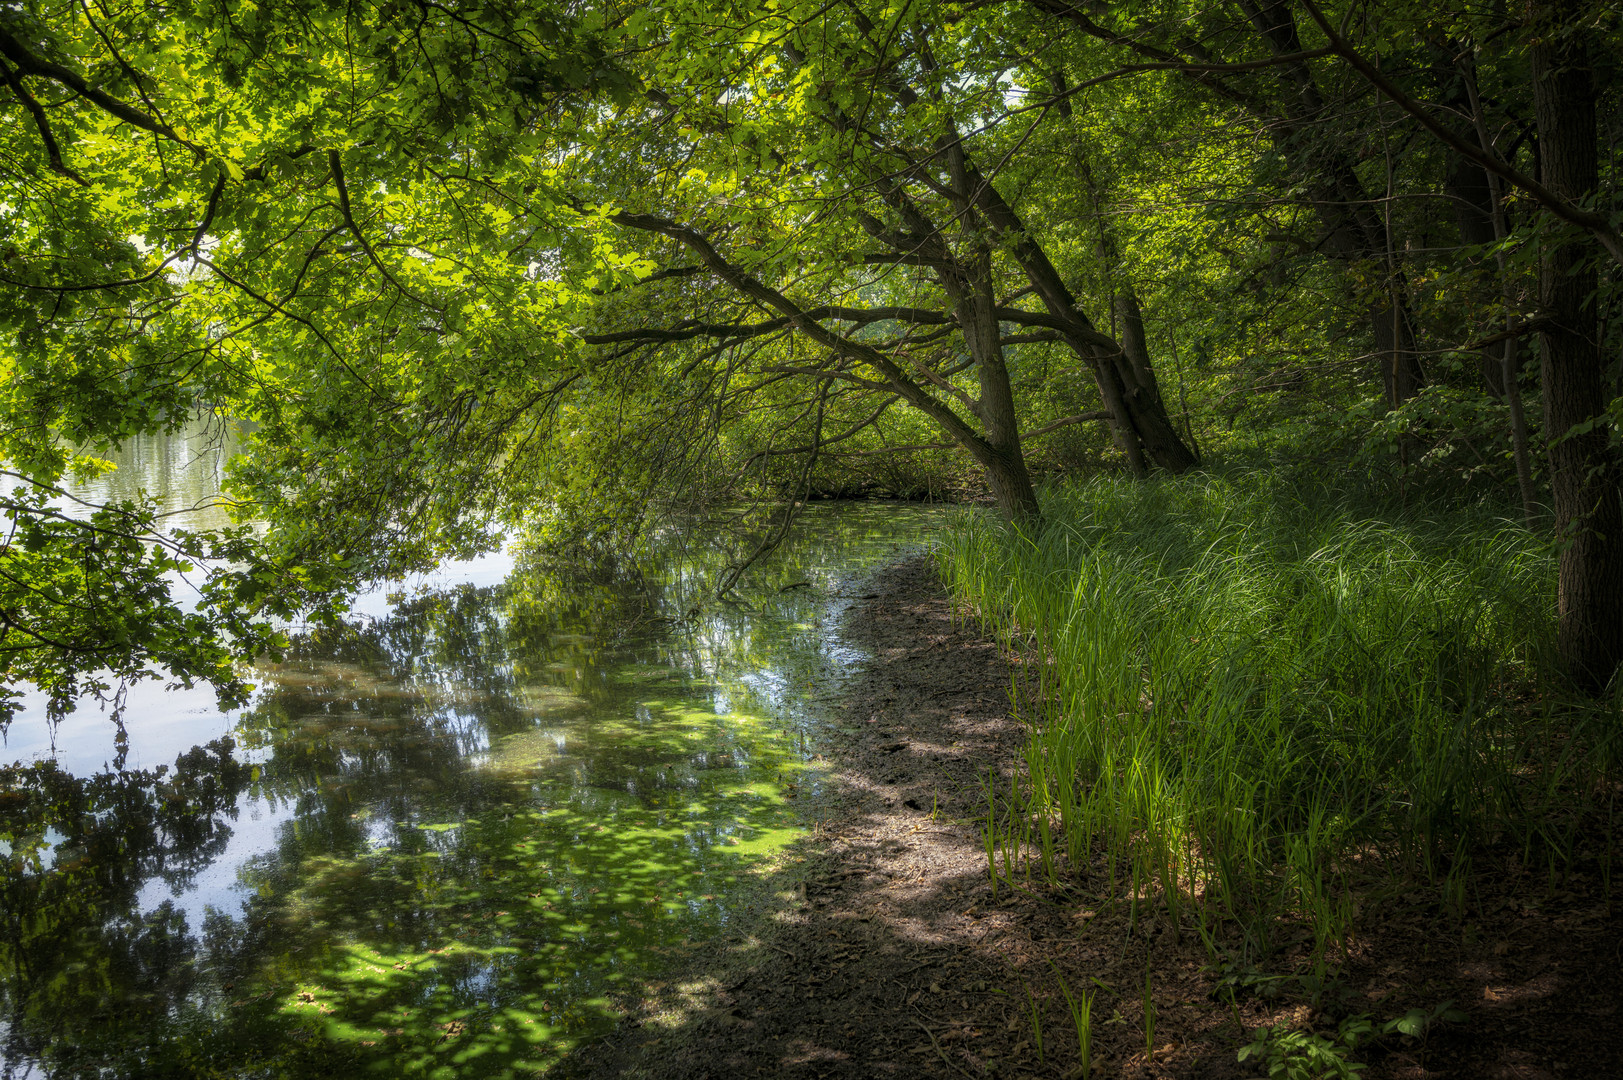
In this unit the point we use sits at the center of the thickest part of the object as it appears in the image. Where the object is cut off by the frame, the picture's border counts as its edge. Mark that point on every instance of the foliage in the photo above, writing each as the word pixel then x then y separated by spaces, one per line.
pixel 1288 1054
pixel 1249 677
pixel 465 269
pixel 178 236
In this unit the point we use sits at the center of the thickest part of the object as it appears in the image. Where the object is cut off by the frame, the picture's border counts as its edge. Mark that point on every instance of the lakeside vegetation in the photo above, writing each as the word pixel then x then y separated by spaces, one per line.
pixel 570 269
pixel 1254 695
pixel 464 271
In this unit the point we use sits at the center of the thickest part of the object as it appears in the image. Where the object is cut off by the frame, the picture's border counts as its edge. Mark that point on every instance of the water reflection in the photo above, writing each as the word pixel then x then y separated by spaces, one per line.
pixel 76 944
pixel 183 471
pixel 437 839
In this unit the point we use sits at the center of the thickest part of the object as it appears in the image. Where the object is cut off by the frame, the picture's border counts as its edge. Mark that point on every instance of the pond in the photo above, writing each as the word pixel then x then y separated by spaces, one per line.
pixel 438 841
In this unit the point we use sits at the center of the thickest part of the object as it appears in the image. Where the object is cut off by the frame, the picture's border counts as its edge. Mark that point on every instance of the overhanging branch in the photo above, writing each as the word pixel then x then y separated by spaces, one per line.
pixel 27 63
pixel 1596 224
pixel 899 381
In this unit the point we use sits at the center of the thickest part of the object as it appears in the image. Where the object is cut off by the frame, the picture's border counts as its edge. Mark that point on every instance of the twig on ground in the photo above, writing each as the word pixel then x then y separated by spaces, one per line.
pixel 940 1052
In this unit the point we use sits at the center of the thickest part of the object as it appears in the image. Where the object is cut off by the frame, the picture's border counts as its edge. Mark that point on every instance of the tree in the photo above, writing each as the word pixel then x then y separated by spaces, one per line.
pixel 1254 58
pixel 179 237
pixel 887 181
pixel 1215 48
pixel 1586 481
pixel 845 213
pixel 466 266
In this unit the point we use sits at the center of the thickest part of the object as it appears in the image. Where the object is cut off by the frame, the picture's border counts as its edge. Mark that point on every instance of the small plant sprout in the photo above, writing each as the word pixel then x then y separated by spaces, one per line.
pixel 989 835
pixel 1035 1008
pixel 1149 1018
pixel 1417 1023
pixel 1081 1006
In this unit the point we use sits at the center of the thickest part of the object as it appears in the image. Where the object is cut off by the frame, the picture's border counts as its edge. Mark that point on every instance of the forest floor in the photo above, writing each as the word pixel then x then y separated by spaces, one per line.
pixel 890 956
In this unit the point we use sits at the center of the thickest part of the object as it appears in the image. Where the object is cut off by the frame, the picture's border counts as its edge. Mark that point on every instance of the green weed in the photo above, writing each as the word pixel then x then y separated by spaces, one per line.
pixel 1243 684
pixel 1301 1055
pixel 1034 1009
pixel 1081 1006
pixel 1149 1018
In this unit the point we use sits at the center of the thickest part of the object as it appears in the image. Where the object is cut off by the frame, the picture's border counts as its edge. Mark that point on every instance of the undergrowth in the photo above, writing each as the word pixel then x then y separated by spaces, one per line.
pixel 1244 690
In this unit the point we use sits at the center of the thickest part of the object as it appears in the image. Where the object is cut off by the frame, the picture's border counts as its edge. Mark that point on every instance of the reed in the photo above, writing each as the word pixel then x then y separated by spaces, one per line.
pixel 1239 682
pixel 1081 1008
pixel 1149 1016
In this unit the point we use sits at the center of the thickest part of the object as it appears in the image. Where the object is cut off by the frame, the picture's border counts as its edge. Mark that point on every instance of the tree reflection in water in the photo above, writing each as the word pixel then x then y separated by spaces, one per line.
pixel 442 839
pixel 82 963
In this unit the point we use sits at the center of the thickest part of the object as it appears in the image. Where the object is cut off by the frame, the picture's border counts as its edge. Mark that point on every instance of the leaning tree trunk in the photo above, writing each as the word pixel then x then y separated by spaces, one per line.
pixel 1149 412
pixel 1140 408
pixel 1584 473
pixel 1005 461
pixel 1152 432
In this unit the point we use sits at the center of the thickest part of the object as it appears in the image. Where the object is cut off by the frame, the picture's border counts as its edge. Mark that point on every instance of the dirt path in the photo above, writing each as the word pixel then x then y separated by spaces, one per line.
pixel 894 959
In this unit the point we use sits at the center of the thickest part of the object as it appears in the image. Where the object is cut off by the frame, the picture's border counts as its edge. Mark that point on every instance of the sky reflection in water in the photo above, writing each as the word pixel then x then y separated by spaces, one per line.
pixel 435 842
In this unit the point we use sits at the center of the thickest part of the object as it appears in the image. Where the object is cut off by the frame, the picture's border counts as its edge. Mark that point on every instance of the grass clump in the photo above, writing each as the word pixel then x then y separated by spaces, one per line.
pixel 1244 685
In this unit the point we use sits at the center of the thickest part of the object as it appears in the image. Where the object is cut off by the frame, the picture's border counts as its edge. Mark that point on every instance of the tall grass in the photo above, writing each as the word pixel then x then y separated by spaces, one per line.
pixel 1243 686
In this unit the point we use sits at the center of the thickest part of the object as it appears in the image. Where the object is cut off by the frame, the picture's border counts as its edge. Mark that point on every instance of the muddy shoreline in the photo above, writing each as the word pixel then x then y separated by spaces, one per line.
pixel 866 959
pixel 885 953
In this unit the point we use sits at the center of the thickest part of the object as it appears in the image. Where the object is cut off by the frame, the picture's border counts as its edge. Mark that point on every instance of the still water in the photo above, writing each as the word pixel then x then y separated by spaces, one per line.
pixel 437 842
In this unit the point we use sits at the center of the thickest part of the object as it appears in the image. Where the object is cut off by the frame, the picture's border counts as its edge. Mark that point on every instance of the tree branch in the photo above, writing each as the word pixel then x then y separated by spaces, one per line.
pixel 30 64
pixel 53 152
pixel 349 219
pixel 1596 224
pixel 688 331
pixel 910 391
pixel 1079 418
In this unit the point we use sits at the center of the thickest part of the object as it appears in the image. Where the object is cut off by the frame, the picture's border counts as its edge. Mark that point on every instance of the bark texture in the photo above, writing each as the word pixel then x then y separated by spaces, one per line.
pixel 1584 472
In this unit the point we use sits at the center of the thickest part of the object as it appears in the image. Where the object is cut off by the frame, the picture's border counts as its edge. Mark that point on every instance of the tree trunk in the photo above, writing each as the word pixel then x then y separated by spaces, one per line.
pixel 1011 488
pixel 1151 429
pixel 1149 412
pixel 1006 463
pixel 1114 395
pixel 1141 406
pixel 1584 474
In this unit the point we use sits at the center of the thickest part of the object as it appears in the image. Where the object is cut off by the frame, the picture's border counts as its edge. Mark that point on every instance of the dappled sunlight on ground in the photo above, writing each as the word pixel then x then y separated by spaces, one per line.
pixel 889 954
